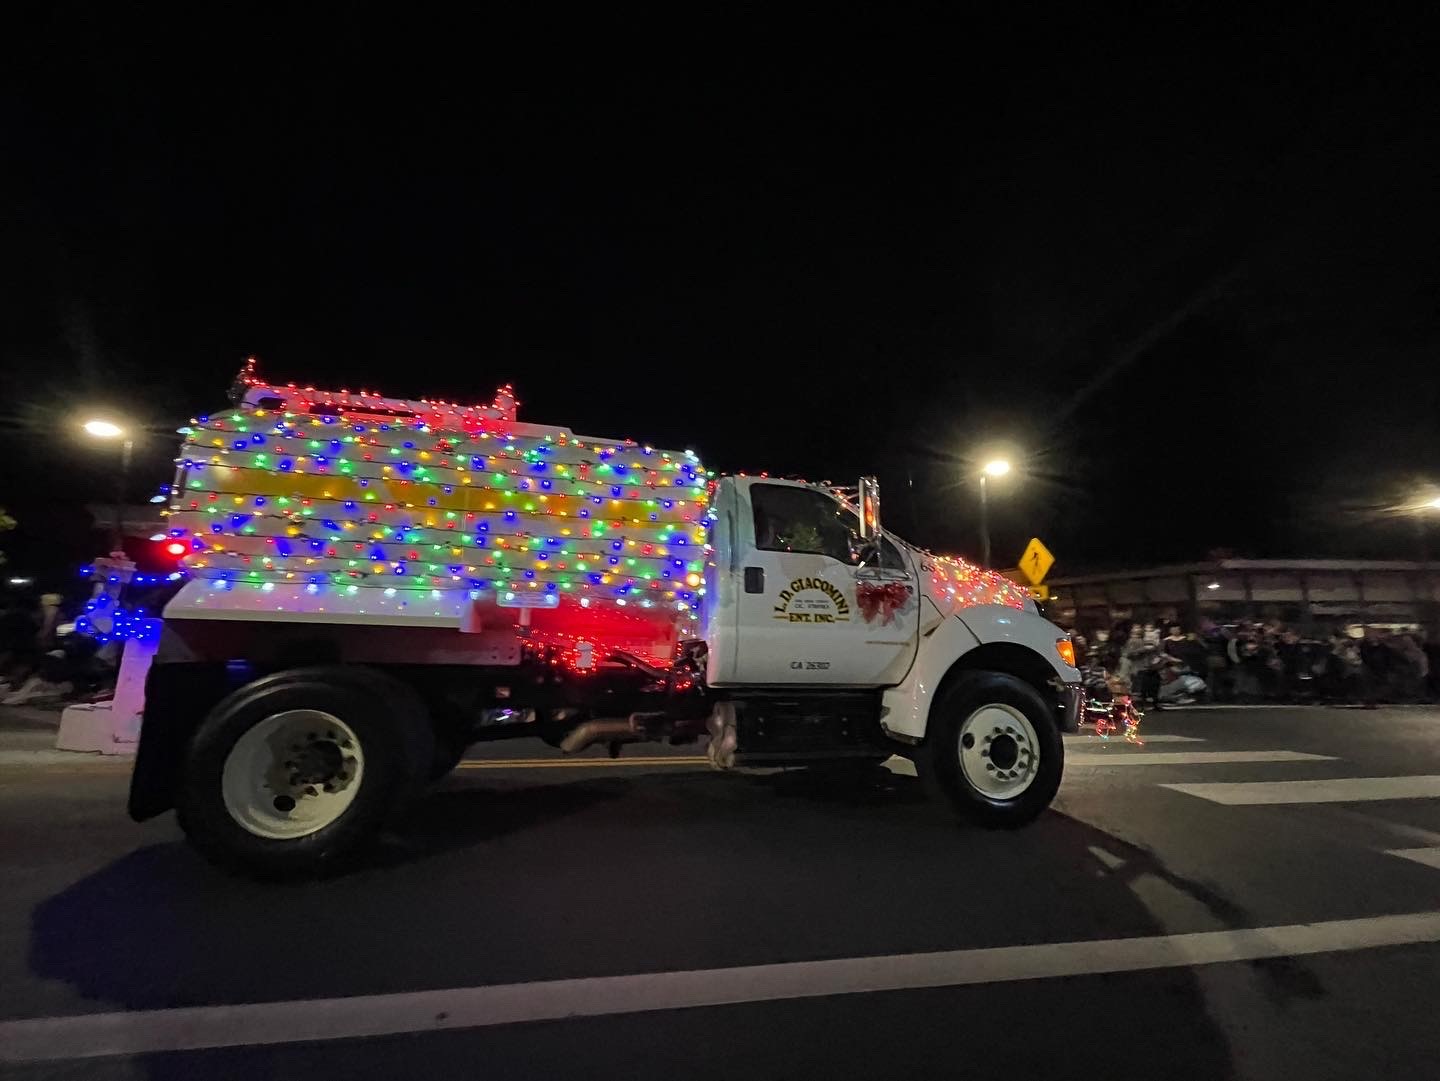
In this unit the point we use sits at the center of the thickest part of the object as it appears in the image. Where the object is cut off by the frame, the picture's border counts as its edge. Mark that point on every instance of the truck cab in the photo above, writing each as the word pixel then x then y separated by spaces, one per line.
pixel 796 597
pixel 809 597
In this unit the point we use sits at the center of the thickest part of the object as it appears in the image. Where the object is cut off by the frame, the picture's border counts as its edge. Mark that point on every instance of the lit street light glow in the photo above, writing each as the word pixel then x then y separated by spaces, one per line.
pixel 99 428
pixel 995 467
pixel 103 429
pixel 1434 504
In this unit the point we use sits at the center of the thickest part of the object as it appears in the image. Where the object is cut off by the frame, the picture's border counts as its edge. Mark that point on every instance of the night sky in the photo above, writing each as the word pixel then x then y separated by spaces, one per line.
pixel 1188 270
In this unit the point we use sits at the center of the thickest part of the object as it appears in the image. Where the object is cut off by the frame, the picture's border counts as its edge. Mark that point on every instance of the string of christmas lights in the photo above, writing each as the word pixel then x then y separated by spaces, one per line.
pixel 106 621
pixel 967 584
pixel 332 489
pixel 962 583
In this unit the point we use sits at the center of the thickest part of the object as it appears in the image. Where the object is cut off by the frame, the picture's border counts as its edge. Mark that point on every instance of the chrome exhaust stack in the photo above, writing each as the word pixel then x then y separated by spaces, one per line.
pixel 613 730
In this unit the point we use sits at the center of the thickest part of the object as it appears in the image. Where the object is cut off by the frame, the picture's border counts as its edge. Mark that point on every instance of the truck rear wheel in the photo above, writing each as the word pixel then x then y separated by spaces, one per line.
pixel 450 747
pixel 994 750
pixel 296 773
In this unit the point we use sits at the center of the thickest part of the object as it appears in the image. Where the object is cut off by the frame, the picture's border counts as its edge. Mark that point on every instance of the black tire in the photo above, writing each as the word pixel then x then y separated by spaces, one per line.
pixel 451 743
pixel 939 761
pixel 386 717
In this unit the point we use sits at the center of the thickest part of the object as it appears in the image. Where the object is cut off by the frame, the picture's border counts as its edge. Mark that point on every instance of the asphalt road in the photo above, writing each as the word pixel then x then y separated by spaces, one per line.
pixel 655 919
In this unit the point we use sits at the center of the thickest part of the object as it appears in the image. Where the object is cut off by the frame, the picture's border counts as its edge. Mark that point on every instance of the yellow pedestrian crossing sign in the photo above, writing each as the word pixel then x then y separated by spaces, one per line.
pixel 1035 564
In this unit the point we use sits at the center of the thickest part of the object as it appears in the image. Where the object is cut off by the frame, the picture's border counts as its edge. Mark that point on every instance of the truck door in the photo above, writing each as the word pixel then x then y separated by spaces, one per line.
pixel 810 609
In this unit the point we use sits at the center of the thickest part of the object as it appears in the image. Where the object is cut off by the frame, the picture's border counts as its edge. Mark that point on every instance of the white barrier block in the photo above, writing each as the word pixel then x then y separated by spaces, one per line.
pixel 114 727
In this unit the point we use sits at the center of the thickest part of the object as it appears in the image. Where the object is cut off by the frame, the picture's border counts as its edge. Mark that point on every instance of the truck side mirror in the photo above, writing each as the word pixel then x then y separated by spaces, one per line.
pixel 869 510
pixel 867 540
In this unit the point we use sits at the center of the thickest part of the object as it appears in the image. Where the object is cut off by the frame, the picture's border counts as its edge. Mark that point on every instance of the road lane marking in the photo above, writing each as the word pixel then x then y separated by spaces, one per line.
pixel 1091 737
pixel 1189 758
pixel 63 758
pixel 362 1016
pixel 896 765
pixel 1430 857
pixel 1110 861
pixel 582 763
pixel 1237 706
pixel 1336 790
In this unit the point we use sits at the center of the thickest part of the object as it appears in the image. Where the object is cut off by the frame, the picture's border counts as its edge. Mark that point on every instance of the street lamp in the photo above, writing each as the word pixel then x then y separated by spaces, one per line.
pixel 99 428
pixel 1420 510
pixel 996 467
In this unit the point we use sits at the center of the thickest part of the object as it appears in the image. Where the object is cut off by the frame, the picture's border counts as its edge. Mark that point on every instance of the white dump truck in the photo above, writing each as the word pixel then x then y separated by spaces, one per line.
pixel 376 584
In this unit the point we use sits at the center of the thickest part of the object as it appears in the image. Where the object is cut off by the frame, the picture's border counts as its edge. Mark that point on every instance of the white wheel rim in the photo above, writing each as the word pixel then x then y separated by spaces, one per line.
pixel 999 752
pixel 292 774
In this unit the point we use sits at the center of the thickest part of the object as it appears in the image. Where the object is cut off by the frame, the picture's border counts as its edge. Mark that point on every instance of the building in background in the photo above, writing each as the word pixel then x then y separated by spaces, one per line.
pixel 1313 596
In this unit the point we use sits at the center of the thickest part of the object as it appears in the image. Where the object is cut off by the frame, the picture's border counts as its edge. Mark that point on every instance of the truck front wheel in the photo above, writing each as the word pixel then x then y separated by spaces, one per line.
pixel 296 773
pixel 993 750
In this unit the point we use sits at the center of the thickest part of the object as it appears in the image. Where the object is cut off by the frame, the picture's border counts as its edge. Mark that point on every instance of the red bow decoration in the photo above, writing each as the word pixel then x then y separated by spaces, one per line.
pixel 881 599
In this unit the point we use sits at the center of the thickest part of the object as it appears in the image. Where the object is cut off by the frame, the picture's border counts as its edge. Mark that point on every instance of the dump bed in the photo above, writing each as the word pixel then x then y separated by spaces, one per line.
pixel 305 502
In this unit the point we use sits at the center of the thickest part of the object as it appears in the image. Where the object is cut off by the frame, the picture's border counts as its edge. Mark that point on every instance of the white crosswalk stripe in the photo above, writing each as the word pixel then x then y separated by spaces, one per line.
pixel 1091 737
pixel 1430 857
pixel 1188 758
pixel 1332 790
pixel 255 1024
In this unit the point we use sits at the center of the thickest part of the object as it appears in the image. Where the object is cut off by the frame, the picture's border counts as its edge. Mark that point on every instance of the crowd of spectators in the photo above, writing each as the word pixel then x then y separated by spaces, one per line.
pixel 39 664
pixel 1268 662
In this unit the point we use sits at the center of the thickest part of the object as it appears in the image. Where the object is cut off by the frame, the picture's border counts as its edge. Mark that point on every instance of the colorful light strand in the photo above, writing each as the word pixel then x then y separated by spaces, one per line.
pixel 332 489
pixel 966 584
